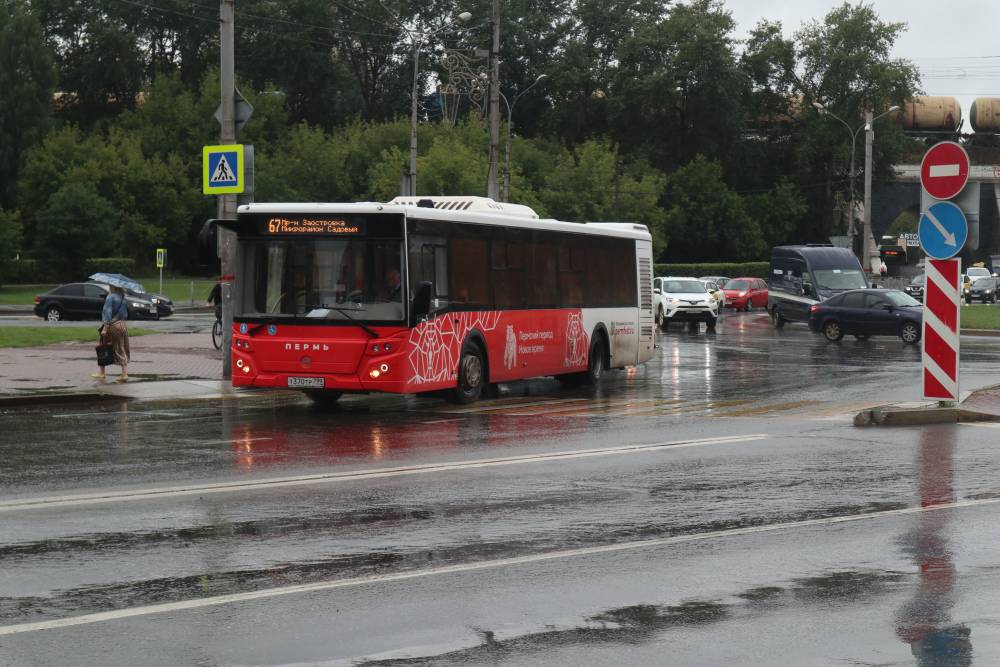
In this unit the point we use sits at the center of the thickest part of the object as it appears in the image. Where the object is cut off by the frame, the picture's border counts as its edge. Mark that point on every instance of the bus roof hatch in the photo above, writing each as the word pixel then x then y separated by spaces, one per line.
pixel 477 204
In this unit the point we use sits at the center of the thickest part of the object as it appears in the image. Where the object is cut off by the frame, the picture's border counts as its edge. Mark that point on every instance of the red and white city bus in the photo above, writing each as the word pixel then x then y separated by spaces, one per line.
pixel 442 293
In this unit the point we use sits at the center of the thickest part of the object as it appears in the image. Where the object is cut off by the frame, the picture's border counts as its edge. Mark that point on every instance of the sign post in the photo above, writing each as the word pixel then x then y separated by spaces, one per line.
pixel 943 232
pixel 161 259
pixel 942 320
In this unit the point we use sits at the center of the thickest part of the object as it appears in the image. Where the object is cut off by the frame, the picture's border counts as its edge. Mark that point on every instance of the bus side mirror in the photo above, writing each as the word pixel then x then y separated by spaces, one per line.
pixel 422 302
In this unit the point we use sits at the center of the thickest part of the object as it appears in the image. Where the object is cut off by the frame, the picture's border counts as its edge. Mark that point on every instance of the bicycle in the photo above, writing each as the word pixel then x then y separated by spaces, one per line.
pixel 217 333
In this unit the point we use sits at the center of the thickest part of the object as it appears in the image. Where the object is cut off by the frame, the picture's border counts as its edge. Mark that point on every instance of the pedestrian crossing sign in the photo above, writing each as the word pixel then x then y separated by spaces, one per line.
pixel 222 170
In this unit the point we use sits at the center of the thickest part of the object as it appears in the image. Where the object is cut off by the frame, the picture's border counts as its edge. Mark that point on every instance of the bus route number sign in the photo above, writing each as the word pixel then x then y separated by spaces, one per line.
pixel 312 226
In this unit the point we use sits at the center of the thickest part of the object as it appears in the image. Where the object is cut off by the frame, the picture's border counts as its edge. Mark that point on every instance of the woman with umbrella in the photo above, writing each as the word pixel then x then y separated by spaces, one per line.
pixel 114 331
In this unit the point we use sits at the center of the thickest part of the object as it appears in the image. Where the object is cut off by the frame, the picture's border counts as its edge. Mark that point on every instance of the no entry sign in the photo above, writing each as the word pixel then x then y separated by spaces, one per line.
pixel 944 171
pixel 941 326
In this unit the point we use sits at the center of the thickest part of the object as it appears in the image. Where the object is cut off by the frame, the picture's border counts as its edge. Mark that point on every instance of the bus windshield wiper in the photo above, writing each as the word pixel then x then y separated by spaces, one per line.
pixel 343 311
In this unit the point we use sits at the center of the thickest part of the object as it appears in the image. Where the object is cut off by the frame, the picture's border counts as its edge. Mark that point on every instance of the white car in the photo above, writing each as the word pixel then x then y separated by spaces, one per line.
pixel 683 299
pixel 715 291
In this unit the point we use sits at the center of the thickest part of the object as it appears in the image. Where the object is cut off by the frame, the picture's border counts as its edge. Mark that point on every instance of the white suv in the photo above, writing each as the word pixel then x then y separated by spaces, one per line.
pixel 684 300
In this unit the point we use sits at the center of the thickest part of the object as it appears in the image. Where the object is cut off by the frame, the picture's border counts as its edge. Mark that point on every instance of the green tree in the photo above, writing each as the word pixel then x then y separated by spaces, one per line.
pixel 906 222
pixel 705 219
pixel 592 184
pixel 27 77
pixel 778 213
pixel 846 65
pixel 10 241
pixel 76 223
pixel 678 89
pixel 153 199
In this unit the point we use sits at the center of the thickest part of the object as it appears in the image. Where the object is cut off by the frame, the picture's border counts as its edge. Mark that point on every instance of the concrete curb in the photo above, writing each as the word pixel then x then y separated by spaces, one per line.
pixel 893 416
pixel 33 400
pixel 991 333
pixel 66 398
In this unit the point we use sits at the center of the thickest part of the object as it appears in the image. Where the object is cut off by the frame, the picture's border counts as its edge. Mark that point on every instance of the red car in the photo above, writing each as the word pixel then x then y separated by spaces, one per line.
pixel 745 293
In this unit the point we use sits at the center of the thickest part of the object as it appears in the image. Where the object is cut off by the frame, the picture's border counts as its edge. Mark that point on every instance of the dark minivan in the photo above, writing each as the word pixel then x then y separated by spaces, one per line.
pixel 802 275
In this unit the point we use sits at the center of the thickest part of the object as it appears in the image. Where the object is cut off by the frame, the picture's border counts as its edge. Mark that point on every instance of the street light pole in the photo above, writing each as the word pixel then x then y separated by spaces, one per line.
pixel 869 135
pixel 869 138
pixel 418 38
pixel 867 230
pixel 823 111
pixel 510 130
pixel 492 190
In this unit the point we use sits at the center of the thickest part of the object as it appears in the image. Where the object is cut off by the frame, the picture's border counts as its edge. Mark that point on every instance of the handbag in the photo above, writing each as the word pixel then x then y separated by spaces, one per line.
pixel 105 353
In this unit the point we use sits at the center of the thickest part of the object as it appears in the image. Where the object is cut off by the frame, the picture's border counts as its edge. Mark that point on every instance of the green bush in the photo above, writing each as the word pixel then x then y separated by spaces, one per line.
pixel 730 270
pixel 125 265
pixel 26 271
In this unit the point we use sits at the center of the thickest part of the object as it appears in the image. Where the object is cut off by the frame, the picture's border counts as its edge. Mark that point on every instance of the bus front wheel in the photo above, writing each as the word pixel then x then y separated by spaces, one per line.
pixel 471 375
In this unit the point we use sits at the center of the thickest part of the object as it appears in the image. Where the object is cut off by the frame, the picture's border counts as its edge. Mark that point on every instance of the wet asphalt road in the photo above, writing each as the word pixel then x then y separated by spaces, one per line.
pixel 711 507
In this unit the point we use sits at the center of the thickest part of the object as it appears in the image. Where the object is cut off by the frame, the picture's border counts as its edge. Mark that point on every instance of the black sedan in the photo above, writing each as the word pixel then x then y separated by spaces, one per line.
pixel 164 306
pixel 982 289
pixel 84 301
pixel 868 312
pixel 916 287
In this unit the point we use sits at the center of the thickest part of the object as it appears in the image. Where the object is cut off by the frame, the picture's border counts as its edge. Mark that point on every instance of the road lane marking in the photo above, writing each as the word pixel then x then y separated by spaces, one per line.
pixel 503 406
pixel 981 424
pixel 99 617
pixel 376 473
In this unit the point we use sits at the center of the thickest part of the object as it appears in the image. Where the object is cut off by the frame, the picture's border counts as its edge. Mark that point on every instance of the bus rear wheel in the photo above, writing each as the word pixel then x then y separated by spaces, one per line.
pixel 596 361
pixel 471 375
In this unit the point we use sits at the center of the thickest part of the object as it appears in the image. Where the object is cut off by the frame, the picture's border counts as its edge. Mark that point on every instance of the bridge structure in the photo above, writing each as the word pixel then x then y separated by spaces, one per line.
pixel 891 199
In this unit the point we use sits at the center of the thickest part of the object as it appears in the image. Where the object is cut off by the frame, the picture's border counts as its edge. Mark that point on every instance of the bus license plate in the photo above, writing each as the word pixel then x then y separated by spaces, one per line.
pixel 311 383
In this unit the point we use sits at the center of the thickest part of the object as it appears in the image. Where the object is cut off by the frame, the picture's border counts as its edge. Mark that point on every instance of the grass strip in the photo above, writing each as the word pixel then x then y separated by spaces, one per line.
pixel 178 290
pixel 47 335
pixel 981 317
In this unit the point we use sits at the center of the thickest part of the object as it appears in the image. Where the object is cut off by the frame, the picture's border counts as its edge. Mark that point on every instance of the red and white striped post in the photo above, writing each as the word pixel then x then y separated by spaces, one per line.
pixel 942 314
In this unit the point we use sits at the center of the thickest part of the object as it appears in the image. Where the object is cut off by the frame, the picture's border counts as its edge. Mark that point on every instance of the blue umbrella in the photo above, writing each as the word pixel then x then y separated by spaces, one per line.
pixel 118 280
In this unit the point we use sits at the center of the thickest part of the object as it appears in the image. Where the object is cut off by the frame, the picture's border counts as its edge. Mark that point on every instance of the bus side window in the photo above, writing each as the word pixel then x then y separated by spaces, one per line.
pixel 571 276
pixel 506 273
pixel 433 268
pixel 543 284
pixel 469 281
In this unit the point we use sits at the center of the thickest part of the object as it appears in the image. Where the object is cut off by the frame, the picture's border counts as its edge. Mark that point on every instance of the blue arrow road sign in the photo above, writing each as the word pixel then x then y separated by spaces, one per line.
pixel 943 230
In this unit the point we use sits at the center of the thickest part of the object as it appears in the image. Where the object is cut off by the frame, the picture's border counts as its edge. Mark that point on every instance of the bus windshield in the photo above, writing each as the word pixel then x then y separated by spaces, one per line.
pixel 330 278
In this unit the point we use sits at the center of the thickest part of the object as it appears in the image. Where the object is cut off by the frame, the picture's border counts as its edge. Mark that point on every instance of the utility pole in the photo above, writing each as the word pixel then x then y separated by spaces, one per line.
pixel 869 134
pixel 492 189
pixel 227 203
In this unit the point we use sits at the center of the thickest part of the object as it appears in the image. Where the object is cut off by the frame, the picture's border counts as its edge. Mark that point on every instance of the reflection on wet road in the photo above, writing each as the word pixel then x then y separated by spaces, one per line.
pixel 714 504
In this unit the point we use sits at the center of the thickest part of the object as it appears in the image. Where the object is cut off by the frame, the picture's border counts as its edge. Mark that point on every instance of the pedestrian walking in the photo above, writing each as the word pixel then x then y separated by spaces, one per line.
pixel 883 270
pixel 114 331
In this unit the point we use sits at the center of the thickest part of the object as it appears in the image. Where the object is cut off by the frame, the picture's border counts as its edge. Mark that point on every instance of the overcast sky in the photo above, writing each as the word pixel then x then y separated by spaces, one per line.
pixel 954 44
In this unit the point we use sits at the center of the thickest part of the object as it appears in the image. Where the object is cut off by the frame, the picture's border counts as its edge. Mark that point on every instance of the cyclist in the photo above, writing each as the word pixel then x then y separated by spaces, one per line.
pixel 215 299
